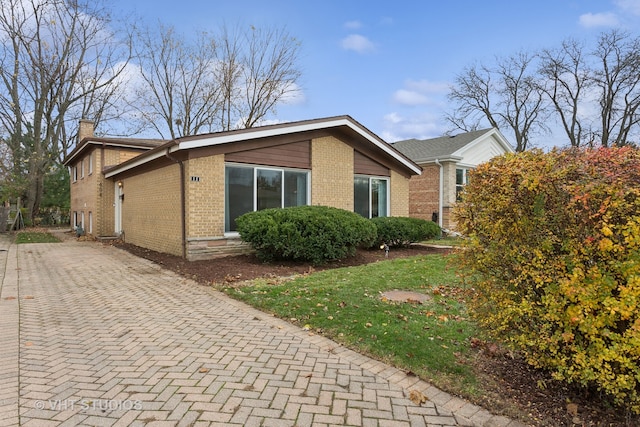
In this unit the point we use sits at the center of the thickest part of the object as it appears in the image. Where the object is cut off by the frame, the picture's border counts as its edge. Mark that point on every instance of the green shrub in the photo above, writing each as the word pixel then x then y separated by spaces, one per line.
pixel 305 233
pixel 402 231
pixel 554 257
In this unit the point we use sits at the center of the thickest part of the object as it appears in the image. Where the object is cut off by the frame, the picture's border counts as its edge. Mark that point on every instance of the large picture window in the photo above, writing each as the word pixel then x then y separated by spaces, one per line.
pixel 248 189
pixel 371 196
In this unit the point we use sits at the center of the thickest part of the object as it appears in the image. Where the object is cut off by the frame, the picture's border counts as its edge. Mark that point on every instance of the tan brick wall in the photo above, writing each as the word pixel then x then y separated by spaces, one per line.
pixel 151 211
pixel 424 192
pixel 399 198
pixel 205 197
pixel 106 221
pixel 332 173
pixel 94 193
pixel 84 193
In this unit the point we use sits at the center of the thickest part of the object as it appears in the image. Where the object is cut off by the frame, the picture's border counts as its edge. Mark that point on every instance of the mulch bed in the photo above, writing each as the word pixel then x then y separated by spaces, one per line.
pixel 517 390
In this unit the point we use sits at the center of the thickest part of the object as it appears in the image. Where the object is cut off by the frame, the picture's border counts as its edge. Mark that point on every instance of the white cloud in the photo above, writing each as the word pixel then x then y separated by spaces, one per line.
pixel 294 95
pixel 604 19
pixel 357 43
pixel 420 92
pixel 629 6
pixel 353 25
pixel 408 97
pixel 421 126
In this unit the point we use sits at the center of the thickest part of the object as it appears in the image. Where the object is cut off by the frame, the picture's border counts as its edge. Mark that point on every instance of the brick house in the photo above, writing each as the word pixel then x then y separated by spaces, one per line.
pixel 182 196
pixel 445 162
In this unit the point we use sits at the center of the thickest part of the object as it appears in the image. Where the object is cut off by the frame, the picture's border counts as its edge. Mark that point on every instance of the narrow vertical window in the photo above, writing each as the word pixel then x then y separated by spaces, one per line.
pixel 461 181
pixel 238 194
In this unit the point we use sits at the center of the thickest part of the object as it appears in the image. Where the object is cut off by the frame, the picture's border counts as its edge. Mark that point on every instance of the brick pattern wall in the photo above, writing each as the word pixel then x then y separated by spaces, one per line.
pixel 94 193
pixel 151 211
pixel 205 196
pixel 449 197
pixel 84 192
pixel 399 198
pixel 424 192
pixel 332 173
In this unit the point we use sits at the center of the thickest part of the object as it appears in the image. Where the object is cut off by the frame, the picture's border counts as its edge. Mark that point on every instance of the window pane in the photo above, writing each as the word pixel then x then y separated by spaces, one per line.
pixel 238 194
pixel 378 197
pixel 361 195
pixel 269 188
pixel 295 189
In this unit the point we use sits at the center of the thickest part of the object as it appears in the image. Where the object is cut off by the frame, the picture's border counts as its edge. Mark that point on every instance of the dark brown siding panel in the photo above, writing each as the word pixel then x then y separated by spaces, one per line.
pixel 293 155
pixel 366 166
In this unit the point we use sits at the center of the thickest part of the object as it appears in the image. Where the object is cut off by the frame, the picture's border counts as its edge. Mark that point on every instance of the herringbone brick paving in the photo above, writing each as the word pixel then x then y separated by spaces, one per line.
pixel 94 336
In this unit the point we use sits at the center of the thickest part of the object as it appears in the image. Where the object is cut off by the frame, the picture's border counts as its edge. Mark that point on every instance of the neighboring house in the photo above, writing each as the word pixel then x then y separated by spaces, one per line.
pixel 445 162
pixel 182 197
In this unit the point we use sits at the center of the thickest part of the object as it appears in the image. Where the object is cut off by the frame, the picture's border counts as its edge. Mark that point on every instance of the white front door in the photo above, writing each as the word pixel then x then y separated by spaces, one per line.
pixel 119 192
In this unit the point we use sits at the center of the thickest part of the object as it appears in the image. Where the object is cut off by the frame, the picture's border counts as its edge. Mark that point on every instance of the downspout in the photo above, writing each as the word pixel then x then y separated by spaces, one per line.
pixel 182 201
pixel 440 192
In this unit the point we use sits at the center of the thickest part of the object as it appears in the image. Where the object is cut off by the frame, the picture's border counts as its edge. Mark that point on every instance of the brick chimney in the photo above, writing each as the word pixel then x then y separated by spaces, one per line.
pixel 85 130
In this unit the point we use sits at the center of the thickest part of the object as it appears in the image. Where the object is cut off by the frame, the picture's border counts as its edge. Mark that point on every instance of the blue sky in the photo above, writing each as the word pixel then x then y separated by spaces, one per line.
pixel 389 64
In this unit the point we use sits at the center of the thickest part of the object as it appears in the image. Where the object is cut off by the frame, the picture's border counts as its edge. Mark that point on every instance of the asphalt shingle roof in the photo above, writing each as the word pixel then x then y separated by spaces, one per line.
pixel 422 149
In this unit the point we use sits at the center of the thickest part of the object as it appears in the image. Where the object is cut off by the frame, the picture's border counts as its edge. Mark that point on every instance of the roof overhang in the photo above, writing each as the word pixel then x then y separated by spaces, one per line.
pixel 193 142
pixel 102 142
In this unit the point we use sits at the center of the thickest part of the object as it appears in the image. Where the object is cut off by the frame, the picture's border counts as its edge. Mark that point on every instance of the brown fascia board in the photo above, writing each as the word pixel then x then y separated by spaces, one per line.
pixel 146 144
pixel 344 123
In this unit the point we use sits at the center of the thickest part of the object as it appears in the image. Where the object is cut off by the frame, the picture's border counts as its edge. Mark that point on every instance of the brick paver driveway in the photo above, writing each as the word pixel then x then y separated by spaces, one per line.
pixel 94 336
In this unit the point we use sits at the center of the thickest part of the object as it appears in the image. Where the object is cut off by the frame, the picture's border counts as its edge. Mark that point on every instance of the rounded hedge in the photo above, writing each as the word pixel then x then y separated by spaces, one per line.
pixel 305 233
pixel 402 231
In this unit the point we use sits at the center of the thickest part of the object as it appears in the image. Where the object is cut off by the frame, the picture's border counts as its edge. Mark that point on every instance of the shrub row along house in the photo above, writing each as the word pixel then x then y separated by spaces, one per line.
pixel 182 196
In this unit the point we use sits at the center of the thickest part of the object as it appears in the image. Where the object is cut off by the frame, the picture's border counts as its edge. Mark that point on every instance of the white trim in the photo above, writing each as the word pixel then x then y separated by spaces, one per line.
pixel 117 207
pixel 440 192
pixel 494 134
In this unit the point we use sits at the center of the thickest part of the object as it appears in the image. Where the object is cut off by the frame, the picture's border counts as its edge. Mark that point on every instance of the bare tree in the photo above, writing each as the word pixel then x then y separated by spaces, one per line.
pixel 229 74
pixel 566 80
pixel 53 55
pixel 617 78
pixel 473 93
pixel 269 72
pixel 222 82
pixel 506 96
pixel 181 93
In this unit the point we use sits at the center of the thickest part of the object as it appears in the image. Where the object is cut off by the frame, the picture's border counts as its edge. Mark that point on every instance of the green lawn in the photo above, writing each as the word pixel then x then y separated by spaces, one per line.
pixel 429 339
pixel 445 241
pixel 35 237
